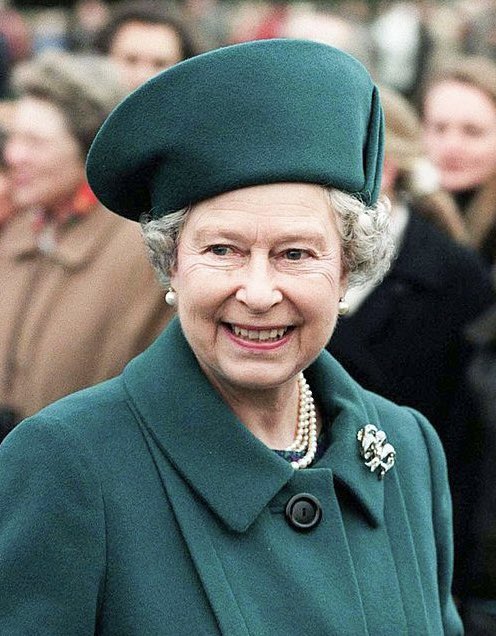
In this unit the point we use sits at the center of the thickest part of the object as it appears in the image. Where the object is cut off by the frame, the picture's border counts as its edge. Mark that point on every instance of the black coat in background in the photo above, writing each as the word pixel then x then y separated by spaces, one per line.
pixel 482 378
pixel 406 342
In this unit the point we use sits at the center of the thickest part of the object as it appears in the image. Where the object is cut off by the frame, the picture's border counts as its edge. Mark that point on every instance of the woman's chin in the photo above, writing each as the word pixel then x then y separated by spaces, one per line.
pixel 253 376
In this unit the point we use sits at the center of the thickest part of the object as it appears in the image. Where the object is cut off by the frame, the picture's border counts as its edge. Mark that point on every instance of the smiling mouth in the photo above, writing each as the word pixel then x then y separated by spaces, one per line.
pixel 259 335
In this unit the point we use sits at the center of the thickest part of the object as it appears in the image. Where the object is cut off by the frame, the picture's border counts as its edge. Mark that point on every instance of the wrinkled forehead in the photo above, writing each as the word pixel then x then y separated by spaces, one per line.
pixel 264 214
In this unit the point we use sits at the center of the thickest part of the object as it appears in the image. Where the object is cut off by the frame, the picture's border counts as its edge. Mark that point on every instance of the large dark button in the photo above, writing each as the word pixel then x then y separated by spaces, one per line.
pixel 303 512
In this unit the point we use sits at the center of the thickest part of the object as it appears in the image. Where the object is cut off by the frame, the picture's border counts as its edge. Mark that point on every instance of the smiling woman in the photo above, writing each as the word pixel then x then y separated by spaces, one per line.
pixel 236 270
pixel 234 479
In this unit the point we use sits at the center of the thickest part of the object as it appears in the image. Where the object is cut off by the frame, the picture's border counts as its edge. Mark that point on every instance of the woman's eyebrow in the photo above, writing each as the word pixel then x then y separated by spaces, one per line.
pixel 311 236
pixel 216 233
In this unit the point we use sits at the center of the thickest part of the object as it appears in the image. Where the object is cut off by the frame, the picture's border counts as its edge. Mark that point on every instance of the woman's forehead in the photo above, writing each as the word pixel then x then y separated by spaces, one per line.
pixel 283 210
pixel 33 114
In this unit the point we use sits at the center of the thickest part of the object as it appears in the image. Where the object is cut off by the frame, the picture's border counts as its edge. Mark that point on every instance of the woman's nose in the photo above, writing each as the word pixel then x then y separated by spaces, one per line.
pixel 258 289
pixel 452 142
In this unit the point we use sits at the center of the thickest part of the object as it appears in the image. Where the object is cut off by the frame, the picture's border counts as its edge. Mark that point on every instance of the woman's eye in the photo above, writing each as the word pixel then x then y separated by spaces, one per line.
pixel 220 250
pixel 474 131
pixel 295 254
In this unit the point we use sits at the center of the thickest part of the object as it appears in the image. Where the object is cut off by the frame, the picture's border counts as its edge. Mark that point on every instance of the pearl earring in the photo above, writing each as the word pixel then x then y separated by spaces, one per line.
pixel 171 297
pixel 343 307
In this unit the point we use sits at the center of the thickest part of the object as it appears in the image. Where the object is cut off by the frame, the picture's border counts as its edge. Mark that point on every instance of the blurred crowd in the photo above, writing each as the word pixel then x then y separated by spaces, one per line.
pixel 425 336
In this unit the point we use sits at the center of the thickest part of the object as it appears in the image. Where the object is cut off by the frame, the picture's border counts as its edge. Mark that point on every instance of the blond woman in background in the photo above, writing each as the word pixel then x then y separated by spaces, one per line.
pixel 459 121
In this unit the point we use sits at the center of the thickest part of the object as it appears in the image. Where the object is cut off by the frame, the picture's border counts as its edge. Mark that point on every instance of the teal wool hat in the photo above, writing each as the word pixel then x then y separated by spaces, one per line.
pixel 260 112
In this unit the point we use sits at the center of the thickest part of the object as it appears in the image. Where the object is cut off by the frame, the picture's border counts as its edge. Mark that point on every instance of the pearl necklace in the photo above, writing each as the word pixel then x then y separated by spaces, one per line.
pixel 306 431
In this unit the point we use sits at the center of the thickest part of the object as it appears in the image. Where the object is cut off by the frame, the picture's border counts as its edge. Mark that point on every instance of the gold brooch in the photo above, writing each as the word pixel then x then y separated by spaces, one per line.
pixel 374 448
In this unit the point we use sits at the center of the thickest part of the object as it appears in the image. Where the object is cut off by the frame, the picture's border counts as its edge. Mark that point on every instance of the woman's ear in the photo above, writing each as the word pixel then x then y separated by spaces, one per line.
pixel 173 277
pixel 343 282
pixel 171 294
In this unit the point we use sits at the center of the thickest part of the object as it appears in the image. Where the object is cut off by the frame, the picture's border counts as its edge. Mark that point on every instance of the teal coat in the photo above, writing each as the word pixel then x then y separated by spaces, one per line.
pixel 142 507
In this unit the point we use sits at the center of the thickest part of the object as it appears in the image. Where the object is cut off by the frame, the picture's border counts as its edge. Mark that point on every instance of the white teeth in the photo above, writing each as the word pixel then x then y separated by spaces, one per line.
pixel 262 334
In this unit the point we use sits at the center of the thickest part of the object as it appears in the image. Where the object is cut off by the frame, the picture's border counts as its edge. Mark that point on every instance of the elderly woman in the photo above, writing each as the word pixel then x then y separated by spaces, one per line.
pixel 79 298
pixel 234 479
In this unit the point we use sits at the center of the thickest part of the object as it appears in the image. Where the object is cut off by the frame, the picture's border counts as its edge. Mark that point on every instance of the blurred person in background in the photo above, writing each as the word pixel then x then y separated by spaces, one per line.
pixel 79 298
pixel 50 29
pixel 479 611
pixel 404 338
pixel 402 45
pixel 249 18
pixel 5 68
pixel 143 38
pixel 479 33
pixel 209 20
pixel 459 120
pixel 14 27
pixel 308 22
pixel 6 204
pixel 87 19
pixel 15 44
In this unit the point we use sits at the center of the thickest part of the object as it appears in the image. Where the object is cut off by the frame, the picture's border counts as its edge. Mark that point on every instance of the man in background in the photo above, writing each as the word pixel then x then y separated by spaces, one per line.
pixel 142 39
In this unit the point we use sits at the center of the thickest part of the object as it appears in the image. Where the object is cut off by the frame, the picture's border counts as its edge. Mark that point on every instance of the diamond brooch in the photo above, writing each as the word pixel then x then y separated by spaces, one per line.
pixel 378 454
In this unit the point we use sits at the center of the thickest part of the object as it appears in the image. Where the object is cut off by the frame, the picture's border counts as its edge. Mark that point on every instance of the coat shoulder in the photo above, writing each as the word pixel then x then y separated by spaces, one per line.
pixel 411 434
pixel 404 418
pixel 88 418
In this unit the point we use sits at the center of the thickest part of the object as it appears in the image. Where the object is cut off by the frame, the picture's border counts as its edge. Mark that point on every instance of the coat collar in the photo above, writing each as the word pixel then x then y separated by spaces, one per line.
pixel 228 467
pixel 81 239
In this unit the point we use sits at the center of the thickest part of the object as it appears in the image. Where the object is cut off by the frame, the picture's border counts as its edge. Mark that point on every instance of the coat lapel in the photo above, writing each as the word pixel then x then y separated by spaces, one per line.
pixel 352 411
pixel 341 401
pixel 234 473
pixel 215 454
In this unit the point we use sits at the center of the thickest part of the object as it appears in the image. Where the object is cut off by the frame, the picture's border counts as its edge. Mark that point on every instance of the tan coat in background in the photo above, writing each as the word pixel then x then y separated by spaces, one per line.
pixel 74 317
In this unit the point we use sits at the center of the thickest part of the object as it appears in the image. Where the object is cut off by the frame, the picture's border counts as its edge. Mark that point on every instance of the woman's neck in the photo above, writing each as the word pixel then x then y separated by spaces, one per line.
pixel 60 212
pixel 79 202
pixel 464 198
pixel 270 414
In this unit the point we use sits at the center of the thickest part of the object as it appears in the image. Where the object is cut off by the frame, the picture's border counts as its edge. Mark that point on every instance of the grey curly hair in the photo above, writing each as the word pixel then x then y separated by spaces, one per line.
pixel 367 244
